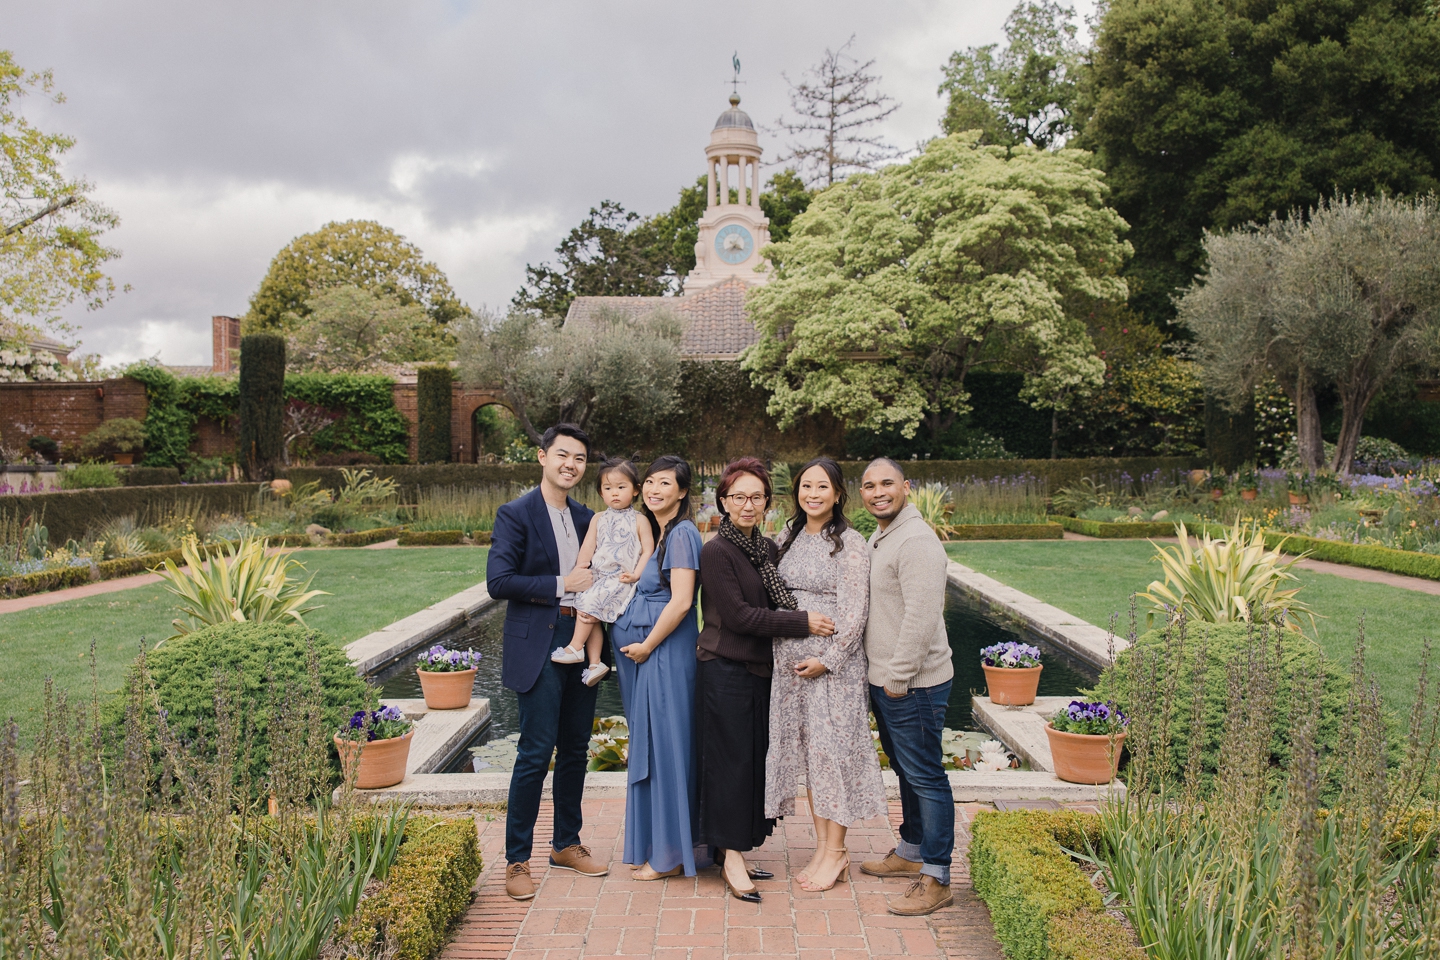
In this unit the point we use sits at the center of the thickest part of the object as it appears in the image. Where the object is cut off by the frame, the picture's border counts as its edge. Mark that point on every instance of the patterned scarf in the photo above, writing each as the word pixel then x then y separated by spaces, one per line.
pixel 753 547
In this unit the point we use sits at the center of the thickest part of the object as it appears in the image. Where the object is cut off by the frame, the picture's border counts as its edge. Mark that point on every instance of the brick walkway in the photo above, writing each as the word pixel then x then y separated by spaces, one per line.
pixel 694 918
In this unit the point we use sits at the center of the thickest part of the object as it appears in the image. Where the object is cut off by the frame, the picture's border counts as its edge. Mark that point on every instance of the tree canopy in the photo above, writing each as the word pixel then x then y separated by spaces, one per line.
pixel 352 330
pixel 1024 93
pixel 1342 297
pixel 1211 115
pixel 892 285
pixel 357 253
pixel 51 253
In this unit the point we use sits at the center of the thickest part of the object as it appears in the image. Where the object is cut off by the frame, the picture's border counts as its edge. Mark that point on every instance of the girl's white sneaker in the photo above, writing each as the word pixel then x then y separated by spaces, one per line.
pixel 566 655
pixel 593 674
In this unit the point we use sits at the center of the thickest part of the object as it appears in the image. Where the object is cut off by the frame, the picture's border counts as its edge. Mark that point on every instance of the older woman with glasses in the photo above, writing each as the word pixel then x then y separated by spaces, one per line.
pixel 745 606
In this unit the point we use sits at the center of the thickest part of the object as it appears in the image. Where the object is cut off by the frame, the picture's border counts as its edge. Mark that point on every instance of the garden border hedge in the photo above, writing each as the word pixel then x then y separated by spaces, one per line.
pixel 69 513
pixel 25 584
pixel 1042 906
pixel 426 891
pixel 1405 562
pixel 363 538
pixel 1055 473
pixel 431 538
pixel 1118 531
pixel 1005 531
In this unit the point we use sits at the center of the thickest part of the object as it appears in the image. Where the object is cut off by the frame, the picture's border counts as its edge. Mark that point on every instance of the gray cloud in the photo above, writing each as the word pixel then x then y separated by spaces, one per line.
pixel 482 131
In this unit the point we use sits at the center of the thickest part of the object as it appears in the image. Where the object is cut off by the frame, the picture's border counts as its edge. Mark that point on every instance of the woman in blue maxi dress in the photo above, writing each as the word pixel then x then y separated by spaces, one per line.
pixel 659 698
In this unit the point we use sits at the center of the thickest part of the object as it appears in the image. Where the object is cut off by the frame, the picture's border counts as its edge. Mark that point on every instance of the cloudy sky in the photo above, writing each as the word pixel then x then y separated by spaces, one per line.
pixel 480 131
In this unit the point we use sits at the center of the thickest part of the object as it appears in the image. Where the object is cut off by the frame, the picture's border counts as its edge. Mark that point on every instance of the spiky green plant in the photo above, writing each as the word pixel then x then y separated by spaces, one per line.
pixel 931 500
pixel 242 584
pixel 1229 579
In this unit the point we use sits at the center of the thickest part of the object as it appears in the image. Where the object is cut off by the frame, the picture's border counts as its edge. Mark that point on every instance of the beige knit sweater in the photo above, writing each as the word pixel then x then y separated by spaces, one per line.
pixel 905 637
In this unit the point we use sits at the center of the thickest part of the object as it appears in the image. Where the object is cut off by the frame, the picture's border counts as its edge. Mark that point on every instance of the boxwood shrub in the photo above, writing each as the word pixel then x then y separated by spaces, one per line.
pixel 363 538
pixel 261 663
pixel 1041 905
pixel 431 538
pixel 425 893
pixel 1226 644
pixel 1140 530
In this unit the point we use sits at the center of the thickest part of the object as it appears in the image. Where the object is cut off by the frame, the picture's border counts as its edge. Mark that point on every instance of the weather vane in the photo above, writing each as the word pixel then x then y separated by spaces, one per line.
pixel 735 81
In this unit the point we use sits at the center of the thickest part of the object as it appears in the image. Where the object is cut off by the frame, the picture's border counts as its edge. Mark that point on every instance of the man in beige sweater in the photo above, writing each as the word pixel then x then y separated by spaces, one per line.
pixel 910 677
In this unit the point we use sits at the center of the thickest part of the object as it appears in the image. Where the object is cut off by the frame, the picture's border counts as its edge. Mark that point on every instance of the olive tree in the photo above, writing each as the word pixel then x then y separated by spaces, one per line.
pixel 1343 297
pixel 893 285
pixel 612 374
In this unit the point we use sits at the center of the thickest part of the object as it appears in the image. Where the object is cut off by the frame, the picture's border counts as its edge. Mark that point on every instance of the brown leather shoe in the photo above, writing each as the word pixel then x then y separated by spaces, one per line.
pixel 577 857
pixel 518 885
pixel 893 865
pixel 925 896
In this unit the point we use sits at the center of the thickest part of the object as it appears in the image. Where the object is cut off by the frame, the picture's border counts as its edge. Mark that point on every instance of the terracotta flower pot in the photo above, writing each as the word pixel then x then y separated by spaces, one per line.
pixel 1249 494
pixel 1012 686
pixel 1216 494
pixel 1084 758
pixel 382 762
pixel 124 459
pixel 1197 477
pixel 447 690
pixel 1298 499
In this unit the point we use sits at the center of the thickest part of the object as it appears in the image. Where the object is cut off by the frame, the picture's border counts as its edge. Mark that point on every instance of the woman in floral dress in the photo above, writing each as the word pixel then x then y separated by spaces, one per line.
pixel 819 704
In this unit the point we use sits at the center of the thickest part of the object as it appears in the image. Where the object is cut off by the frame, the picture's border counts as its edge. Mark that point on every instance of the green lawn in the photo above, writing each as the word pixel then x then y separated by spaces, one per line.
pixel 371 588
pixel 1093 579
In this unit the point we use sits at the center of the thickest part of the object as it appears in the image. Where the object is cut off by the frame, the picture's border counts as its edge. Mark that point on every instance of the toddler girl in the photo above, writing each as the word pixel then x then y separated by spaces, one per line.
pixel 616 548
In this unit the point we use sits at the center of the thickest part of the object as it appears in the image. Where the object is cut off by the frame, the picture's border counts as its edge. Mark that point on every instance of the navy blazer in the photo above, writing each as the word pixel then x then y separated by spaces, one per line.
pixel 523 564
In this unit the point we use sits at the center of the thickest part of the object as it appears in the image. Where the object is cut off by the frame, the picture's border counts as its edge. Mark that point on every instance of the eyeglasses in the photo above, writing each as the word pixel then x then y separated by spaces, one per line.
pixel 739 499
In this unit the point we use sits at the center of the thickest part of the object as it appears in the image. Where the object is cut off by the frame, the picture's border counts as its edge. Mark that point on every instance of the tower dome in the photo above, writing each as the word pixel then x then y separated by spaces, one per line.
pixel 734 117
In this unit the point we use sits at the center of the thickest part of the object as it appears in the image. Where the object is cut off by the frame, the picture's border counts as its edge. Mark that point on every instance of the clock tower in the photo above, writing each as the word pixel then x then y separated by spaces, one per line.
pixel 732 231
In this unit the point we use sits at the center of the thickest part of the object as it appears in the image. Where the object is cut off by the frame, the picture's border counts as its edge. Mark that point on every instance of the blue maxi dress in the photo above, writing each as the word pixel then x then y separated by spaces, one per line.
pixel 659 699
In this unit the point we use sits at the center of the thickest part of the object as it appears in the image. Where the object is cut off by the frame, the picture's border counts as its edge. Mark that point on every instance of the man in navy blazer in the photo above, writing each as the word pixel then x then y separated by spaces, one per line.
pixel 533 549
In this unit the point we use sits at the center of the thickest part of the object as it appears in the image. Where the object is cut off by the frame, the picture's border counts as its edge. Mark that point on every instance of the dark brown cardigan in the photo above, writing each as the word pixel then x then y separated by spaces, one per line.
pixel 740 620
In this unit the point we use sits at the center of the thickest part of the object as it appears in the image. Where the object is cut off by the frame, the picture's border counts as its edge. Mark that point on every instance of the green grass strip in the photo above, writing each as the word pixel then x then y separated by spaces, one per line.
pixel 1005 531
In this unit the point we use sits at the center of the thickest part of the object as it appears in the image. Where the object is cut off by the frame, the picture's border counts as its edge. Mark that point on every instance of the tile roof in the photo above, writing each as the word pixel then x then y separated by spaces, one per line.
pixel 716 327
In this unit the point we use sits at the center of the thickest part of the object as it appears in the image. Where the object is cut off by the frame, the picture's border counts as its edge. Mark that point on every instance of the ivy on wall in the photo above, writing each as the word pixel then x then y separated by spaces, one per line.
pixel 371 423
pixel 168 424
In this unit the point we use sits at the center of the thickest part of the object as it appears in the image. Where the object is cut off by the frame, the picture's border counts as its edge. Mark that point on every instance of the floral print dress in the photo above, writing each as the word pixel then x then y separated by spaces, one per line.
pixel 820 728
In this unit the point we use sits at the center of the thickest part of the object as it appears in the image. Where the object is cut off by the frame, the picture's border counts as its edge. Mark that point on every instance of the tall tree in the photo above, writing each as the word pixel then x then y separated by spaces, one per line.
pixel 1346 297
pixel 357 253
pixel 1211 115
pixel 893 285
pixel 612 253
pixel 50 227
pixel 351 330
pixel 1024 93
pixel 836 107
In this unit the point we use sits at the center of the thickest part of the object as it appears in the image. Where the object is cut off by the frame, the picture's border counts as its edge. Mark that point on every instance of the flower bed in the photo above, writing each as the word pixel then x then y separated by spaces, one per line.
pixel 1040 902
pixel 428 888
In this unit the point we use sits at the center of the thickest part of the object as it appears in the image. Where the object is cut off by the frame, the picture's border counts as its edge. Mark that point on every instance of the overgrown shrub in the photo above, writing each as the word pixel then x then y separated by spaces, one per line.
pixel 257 665
pixel 44 446
pixel 433 395
pixel 262 404
pixel 89 476
pixel 427 890
pixel 120 435
pixel 1161 652
pixel 167 422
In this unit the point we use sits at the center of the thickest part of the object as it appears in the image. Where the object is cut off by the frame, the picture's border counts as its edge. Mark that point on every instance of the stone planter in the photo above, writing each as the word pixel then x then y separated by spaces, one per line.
pixel 382 762
pixel 1249 494
pixel 447 690
pixel 1012 686
pixel 1084 758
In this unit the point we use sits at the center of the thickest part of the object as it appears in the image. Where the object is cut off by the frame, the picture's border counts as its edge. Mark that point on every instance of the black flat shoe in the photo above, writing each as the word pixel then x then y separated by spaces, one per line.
pixel 758 874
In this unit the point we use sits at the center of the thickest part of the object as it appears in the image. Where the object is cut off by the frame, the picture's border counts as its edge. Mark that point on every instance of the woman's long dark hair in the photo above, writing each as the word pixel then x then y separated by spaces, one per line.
pixel 682 480
pixel 836 526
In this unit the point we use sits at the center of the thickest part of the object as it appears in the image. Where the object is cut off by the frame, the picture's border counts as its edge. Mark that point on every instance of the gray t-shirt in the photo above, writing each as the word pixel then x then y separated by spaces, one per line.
pixel 568 543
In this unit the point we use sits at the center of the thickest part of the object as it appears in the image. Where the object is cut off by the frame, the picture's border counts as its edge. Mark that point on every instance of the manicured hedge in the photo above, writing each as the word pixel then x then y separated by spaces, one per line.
pixel 1055 473
pixel 24 584
pixel 431 538
pixel 426 891
pixel 364 537
pixel 69 513
pixel 1042 906
pixel 149 476
pixel 1117 531
pixel 1406 562
pixel 1006 531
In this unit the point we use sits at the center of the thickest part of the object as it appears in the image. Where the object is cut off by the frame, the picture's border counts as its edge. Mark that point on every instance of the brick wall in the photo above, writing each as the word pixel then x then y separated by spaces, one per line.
pixel 66 411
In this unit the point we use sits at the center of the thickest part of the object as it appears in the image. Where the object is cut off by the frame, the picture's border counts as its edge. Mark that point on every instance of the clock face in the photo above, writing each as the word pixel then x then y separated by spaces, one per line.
pixel 734 243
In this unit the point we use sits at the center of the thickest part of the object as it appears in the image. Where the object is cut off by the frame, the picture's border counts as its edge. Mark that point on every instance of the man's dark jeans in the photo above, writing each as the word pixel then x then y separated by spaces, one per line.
pixel 555 715
pixel 910 731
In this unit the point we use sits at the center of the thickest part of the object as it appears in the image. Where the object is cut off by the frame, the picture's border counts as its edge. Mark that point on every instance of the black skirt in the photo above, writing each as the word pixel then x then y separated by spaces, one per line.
pixel 732 737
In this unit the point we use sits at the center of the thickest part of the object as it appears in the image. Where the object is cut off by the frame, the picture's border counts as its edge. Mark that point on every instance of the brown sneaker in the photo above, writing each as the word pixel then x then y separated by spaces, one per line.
pixel 518 885
pixel 893 865
pixel 925 896
pixel 577 858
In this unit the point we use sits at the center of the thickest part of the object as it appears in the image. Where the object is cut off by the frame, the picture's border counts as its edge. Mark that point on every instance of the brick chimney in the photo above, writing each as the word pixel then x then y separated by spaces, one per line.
pixel 225 339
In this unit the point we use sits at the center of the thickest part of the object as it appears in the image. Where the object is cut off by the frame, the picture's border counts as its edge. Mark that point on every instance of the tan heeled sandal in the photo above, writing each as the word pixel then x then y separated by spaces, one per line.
pixel 809 886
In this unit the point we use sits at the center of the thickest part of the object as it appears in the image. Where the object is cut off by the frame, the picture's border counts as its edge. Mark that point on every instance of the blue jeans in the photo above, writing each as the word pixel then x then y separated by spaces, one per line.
pixel 910 729
pixel 555 715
